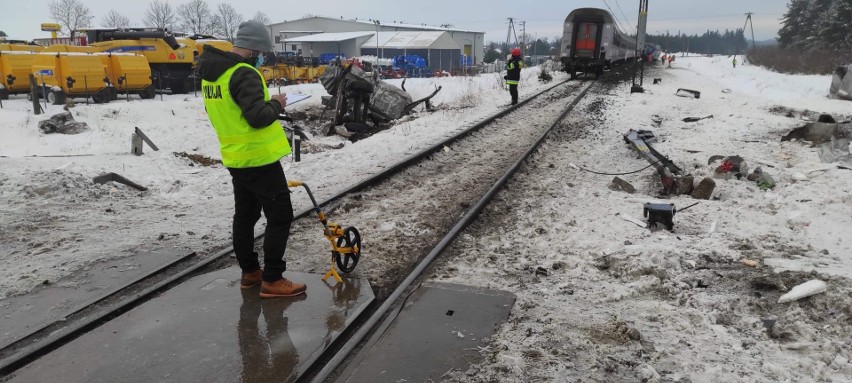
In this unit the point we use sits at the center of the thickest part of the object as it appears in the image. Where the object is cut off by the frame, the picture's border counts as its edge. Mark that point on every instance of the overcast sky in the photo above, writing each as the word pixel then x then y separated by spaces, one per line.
pixel 21 18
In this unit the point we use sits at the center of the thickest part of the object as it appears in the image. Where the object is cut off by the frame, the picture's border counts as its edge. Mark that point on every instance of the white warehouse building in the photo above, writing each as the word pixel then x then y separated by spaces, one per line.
pixel 443 48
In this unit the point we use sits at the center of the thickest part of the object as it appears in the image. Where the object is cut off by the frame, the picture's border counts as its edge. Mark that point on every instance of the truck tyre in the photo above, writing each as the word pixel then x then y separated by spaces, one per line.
pixel 112 94
pixel 4 94
pixel 56 97
pixel 148 93
pixel 101 96
pixel 179 87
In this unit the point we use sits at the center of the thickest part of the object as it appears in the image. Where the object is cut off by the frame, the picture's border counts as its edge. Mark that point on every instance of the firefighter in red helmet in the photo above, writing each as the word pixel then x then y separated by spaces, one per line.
pixel 513 73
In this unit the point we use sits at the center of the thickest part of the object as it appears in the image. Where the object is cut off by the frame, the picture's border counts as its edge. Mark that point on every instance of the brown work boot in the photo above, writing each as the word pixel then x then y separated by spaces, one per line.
pixel 281 288
pixel 251 279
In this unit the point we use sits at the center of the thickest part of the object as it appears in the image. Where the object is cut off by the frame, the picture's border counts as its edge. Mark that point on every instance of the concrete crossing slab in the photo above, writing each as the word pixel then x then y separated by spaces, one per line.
pixel 209 330
pixel 22 315
pixel 438 330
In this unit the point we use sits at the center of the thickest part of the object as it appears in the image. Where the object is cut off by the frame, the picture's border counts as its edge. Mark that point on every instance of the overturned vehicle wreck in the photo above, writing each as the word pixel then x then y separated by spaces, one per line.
pixel 357 98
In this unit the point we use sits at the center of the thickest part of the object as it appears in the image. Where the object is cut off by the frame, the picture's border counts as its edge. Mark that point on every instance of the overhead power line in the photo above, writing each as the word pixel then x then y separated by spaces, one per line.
pixel 614 16
pixel 626 20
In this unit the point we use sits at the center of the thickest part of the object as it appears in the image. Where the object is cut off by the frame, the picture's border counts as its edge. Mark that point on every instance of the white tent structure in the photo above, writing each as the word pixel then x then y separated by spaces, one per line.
pixel 439 49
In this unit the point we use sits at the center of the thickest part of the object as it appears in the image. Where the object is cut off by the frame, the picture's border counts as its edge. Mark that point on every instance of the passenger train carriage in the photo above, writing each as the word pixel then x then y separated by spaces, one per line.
pixel 592 42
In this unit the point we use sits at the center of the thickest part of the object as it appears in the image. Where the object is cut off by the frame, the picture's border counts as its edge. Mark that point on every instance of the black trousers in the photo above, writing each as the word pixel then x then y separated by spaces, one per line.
pixel 513 90
pixel 255 189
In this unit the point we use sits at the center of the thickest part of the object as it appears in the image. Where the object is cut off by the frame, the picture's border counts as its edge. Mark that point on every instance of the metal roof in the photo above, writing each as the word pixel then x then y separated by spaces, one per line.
pixel 329 37
pixel 386 24
pixel 410 40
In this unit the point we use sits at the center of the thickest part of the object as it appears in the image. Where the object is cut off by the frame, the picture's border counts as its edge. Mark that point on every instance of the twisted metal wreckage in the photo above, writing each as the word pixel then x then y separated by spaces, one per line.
pixel 357 98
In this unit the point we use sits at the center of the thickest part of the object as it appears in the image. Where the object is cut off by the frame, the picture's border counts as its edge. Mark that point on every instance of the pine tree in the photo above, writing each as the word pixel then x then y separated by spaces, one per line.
pixel 792 23
pixel 836 34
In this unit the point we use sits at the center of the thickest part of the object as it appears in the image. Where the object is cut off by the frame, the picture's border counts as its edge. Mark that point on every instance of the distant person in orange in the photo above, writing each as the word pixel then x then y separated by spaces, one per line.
pixel 663 58
pixel 735 61
pixel 671 60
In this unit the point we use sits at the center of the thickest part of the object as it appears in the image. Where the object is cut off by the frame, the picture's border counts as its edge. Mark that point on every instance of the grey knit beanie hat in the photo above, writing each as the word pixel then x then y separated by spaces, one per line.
pixel 253 35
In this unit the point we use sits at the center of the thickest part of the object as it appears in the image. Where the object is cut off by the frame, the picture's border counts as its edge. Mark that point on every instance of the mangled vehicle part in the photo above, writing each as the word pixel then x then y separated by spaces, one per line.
pixel 833 140
pixel 688 93
pixel 841 82
pixel 356 97
pixel 668 171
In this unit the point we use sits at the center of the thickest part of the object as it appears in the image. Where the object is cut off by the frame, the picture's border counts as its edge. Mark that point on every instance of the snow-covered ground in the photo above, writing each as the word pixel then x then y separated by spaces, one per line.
pixel 54 220
pixel 602 299
pixel 615 302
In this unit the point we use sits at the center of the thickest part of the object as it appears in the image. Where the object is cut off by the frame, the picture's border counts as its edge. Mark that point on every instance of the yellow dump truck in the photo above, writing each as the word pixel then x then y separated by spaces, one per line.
pixel 291 74
pixel 71 74
pixel 68 48
pixel 20 47
pixel 15 68
pixel 170 61
pixel 129 73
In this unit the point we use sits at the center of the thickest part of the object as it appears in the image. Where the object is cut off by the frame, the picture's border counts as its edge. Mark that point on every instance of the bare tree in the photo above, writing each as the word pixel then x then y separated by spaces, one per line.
pixel 71 15
pixel 160 14
pixel 114 19
pixel 227 21
pixel 195 17
pixel 3 34
pixel 261 17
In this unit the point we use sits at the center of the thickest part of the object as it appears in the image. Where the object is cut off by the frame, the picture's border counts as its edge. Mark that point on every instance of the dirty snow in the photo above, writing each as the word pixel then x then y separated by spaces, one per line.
pixel 602 299
pixel 599 298
pixel 53 221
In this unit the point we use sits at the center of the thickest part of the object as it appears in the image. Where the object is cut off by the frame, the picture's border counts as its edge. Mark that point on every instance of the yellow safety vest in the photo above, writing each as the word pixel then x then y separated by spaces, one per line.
pixel 241 145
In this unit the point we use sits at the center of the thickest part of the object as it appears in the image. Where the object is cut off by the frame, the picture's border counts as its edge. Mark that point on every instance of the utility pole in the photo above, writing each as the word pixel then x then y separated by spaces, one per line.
pixel 750 22
pixel 640 47
pixel 524 39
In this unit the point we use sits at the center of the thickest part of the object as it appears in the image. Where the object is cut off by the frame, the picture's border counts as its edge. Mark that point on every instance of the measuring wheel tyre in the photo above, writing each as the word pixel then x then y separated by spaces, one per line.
pixel 346 262
pixel 56 97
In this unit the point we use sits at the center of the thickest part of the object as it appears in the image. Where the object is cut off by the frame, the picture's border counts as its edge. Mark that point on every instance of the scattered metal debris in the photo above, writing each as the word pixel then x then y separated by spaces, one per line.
pixel 695 119
pixel 136 141
pixel 688 93
pixel 104 178
pixel 641 140
pixel 62 123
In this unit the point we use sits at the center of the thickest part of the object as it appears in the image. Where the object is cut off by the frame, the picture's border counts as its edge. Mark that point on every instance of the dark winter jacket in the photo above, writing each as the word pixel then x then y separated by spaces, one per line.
pixel 513 70
pixel 246 86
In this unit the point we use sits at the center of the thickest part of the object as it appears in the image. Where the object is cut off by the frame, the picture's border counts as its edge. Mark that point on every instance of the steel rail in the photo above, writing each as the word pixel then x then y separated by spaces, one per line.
pixel 367 327
pixel 60 337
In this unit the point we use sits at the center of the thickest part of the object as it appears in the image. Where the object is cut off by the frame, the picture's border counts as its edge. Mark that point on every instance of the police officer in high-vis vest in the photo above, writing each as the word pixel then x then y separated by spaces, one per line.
pixel 252 142
pixel 513 73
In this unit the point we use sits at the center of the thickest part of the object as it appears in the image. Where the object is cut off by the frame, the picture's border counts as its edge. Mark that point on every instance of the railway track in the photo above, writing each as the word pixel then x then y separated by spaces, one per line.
pixel 466 170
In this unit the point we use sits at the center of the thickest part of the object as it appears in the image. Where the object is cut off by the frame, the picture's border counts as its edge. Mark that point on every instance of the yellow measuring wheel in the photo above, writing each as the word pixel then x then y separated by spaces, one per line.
pixel 345 242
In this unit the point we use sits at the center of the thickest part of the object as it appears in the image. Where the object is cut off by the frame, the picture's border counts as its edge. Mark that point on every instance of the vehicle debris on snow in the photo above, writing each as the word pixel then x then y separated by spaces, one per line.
pixel 809 288
pixel 62 123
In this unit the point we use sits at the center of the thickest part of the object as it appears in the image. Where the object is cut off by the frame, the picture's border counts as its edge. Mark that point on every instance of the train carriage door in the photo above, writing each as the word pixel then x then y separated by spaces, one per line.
pixel 586 39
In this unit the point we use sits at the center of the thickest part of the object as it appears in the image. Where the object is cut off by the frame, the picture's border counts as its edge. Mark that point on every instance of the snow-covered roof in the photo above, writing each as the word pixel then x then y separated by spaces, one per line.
pixel 411 40
pixel 392 25
pixel 329 37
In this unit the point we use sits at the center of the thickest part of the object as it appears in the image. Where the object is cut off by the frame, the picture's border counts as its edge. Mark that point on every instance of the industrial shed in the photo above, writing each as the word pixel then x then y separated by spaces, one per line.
pixel 438 48
pixel 469 43
pixel 346 44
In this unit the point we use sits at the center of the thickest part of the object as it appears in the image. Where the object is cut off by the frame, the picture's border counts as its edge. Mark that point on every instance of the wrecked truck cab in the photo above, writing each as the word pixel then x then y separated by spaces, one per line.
pixel 350 88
